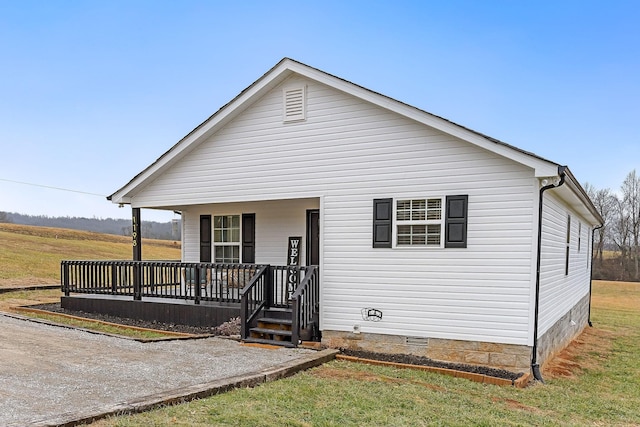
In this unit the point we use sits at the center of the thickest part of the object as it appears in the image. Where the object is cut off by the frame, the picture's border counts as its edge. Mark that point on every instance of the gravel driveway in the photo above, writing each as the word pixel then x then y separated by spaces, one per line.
pixel 51 375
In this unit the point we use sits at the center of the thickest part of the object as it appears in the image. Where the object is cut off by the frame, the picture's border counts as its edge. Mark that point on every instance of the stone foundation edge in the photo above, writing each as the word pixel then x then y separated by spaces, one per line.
pixel 567 328
pixel 510 357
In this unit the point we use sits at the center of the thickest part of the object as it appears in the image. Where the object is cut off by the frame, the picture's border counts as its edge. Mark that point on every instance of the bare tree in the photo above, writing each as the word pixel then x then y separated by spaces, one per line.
pixel 630 201
pixel 605 202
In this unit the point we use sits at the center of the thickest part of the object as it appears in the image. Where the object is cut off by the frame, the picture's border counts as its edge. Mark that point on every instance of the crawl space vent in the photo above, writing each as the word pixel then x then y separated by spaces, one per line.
pixel 294 104
pixel 415 341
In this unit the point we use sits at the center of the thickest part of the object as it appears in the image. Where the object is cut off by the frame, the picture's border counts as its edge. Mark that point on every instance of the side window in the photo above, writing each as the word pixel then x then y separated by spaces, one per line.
pixel 421 222
pixel 579 236
pixel 566 262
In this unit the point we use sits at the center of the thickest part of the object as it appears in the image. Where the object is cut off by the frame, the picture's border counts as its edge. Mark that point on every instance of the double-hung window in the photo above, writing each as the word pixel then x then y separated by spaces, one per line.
pixel 419 222
pixel 439 222
pixel 226 238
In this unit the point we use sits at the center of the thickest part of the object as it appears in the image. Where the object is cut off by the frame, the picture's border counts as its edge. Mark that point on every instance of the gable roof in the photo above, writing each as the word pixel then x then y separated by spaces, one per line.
pixel 287 67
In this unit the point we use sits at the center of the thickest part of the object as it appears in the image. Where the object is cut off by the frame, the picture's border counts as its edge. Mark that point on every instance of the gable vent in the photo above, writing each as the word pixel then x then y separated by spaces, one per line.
pixel 294 104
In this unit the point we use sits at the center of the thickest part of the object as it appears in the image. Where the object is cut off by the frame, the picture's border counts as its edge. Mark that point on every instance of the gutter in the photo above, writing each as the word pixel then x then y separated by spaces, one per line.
pixel 593 235
pixel 535 367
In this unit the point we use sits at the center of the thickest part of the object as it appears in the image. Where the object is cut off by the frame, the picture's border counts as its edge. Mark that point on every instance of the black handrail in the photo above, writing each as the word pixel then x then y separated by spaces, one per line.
pixel 305 303
pixel 254 298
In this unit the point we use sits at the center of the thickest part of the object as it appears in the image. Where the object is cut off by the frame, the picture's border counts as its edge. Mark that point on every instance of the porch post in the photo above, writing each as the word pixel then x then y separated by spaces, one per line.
pixel 137 253
pixel 136 235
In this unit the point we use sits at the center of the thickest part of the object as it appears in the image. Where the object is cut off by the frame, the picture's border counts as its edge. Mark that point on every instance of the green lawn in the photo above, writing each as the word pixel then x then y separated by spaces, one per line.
pixel 598 385
pixel 31 255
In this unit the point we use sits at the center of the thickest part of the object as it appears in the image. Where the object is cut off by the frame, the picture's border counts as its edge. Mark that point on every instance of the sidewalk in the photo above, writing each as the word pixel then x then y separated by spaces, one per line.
pixel 51 375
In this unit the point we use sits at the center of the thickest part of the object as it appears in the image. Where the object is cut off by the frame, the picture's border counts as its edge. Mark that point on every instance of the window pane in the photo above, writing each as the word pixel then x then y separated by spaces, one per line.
pixel 403 210
pixel 434 209
pixel 433 234
pixel 404 235
pixel 227 254
pixel 418 210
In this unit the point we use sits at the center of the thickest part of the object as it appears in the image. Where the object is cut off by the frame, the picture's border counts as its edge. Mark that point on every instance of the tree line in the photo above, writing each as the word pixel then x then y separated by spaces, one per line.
pixel 616 252
pixel 149 229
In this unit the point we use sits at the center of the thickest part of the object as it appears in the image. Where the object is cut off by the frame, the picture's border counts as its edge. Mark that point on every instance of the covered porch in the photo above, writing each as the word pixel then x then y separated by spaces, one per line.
pixel 278 304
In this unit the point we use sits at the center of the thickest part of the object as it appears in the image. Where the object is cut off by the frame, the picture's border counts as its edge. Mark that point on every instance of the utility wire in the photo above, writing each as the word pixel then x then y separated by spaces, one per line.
pixel 52 188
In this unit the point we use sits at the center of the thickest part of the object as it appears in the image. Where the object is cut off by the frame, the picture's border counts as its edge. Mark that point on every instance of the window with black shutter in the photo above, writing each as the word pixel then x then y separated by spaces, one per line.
pixel 382 215
pixel 205 238
pixel 421 222
pixel 455 224
pixel 249 238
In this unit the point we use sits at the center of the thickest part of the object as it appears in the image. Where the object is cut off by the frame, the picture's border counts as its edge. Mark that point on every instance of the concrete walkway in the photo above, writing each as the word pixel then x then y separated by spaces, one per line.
pixel 51 375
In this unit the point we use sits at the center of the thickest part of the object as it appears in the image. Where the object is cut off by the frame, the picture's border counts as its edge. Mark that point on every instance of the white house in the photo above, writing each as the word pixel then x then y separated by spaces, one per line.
pixel 428 235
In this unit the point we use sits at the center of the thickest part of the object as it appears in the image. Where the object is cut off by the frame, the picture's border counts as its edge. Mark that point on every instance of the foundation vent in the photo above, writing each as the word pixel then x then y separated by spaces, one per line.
pixel 294 104
pixel 416 341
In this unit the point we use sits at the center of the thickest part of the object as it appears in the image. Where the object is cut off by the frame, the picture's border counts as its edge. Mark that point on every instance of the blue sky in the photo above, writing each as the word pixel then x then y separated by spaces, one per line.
pixel 92 92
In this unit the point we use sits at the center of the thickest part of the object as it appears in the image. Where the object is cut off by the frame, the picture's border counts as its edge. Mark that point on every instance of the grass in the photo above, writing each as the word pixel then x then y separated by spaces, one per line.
pixel 596 381
pixel 32 255
pixel 97 326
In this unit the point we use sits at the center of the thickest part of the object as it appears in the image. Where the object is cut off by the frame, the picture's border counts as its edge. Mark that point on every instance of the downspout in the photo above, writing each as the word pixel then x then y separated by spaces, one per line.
pixel 535 367
pixel 593 236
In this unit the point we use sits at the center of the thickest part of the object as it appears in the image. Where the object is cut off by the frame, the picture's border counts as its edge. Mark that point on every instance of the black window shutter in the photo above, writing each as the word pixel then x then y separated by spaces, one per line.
pixel 382 215
pixel 249 238
pixel 455 224
pixel 205 238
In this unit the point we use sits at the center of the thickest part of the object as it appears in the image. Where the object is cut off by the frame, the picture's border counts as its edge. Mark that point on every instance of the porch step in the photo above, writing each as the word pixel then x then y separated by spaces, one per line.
pixel 288 344
pixel 273 328
pixel 276 321
pixel 276 333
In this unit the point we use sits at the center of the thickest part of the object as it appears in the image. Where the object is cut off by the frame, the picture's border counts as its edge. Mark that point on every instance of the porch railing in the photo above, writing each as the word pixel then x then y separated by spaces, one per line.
pixel 254 287
pixel 305 304
pixel 160 279
pixel 281 282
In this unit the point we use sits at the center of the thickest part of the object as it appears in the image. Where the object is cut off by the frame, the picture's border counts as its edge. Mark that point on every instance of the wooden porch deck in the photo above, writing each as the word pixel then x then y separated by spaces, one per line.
pixel 198 294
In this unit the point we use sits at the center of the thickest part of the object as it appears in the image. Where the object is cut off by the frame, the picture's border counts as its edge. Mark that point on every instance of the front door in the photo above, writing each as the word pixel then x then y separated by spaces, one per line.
pixel 313 237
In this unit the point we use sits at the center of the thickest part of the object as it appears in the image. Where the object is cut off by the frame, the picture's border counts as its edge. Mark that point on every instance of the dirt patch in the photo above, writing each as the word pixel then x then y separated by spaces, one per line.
pixel 585 352
pixel 514 404
pixel 425 361
pixel 25 282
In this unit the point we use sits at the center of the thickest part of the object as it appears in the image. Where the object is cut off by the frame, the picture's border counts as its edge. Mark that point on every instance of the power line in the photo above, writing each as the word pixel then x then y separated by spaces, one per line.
pixel 52 188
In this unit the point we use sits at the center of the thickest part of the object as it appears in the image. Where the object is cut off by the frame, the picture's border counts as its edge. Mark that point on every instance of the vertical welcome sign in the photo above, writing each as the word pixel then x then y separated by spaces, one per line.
pixel 293 260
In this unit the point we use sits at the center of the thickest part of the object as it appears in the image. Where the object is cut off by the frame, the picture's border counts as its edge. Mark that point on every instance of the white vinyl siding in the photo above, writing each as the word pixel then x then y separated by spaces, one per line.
pixel 349 152
pixel 559 292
